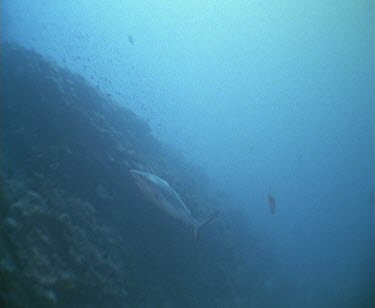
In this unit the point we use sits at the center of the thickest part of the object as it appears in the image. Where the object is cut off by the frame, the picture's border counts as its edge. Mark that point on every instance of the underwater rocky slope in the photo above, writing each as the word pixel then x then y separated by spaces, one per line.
pixel 75 231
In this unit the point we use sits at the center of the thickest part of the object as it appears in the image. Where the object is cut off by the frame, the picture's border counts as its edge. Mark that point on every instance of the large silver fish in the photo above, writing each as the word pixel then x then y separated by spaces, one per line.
pixel 160 193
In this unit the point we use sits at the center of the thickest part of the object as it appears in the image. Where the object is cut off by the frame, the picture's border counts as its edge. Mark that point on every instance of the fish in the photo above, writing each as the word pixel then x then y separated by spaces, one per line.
pixel 161 194
pixel 272 204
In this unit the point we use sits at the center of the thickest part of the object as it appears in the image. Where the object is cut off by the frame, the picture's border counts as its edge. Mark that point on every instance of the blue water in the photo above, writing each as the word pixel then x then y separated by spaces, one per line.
pixel 269 97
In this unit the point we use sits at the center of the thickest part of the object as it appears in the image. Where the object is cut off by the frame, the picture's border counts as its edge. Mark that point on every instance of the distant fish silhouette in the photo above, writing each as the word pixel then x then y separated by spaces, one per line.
pixel 272 204
pixel 130 39
pixel 160 193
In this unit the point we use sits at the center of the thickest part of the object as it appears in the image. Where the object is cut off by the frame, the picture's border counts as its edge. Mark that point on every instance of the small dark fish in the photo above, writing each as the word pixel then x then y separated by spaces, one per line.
pixel 272 204
pixel 130 39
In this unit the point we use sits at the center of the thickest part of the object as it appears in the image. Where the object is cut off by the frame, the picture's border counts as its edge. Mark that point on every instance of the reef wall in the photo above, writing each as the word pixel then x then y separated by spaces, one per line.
pixel 75 231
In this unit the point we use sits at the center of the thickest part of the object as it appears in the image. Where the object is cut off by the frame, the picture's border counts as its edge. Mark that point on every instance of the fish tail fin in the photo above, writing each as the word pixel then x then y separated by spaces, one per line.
pixel 198 225
pixel 196 228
